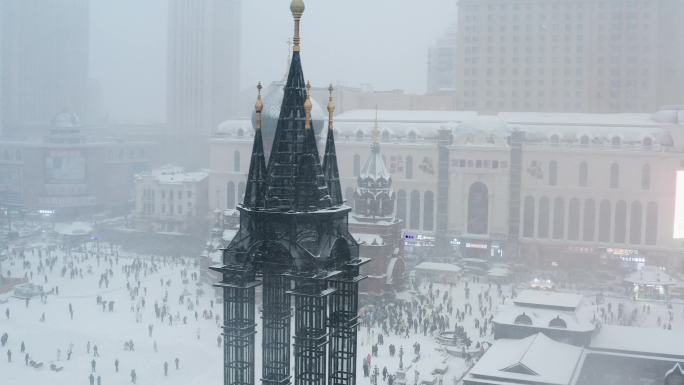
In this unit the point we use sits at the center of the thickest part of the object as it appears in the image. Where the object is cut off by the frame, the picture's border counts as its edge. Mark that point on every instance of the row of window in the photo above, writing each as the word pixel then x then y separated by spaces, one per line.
pixel 11 154
pixel 149 194
pixel 618 223
pixel 583 177
pixel 149 208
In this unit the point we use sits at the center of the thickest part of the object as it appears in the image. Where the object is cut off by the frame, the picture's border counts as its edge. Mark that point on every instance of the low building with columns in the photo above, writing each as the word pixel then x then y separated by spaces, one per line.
pixel 566 187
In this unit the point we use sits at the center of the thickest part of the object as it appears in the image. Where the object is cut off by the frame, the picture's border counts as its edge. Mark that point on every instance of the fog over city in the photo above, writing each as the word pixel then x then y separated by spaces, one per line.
pixel 309 192
pixel 358 42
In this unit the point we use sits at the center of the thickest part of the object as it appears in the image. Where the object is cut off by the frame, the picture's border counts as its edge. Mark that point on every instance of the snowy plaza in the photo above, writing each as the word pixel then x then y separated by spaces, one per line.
pixel 144 312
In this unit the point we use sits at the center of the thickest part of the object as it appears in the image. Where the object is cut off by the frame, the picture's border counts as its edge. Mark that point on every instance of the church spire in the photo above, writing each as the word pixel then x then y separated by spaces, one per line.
pixel 256 178
pixel 332 175
pixel 376 129
pixel 294 155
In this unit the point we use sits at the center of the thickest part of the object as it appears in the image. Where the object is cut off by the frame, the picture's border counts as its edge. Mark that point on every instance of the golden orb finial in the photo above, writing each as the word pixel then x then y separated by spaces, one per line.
pixel 258 107
pixel 331 107
pixel 308 106
pixel 297 8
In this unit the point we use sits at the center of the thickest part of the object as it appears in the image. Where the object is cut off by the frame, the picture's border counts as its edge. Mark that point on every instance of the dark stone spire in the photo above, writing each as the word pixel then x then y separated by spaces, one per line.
pixel 332 174
pixel 256 179
pixel 295 177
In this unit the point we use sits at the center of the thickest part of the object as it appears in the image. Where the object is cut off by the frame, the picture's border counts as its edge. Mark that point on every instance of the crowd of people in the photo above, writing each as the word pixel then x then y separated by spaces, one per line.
pixel 122 284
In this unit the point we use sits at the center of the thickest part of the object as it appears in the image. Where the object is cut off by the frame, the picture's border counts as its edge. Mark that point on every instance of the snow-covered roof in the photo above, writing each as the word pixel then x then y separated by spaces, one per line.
pixel 368 239
pixel 435 267
pixel 650 275
pixel 536 359
pixel 540 318
pixel 636 340
pixel 548 299
pixel 175 175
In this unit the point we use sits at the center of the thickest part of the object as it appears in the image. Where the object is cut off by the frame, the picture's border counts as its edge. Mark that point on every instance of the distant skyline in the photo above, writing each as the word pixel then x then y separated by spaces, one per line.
pixel 383 43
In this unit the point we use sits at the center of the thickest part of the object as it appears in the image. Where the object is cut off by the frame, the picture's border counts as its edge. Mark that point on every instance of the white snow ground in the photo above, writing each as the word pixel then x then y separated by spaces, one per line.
pixel 201 360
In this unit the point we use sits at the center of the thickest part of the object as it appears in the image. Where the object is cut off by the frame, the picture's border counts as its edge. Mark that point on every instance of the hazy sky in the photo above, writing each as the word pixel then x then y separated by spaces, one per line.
pixel 379 42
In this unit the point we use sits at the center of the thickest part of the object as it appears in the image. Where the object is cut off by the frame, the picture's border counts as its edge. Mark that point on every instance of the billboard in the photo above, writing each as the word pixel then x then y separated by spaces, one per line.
pixel 65 166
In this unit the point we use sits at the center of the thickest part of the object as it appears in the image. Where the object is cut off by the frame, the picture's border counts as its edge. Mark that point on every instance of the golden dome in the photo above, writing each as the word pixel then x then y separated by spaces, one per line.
pixel 297 7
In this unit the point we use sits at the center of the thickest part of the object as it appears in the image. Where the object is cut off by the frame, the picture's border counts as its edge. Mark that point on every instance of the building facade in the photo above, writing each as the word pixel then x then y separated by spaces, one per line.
pixel 569 55
pixel 44 61
pixel 581 186
pixel 203 73
pixel 171 200
pixel 68 172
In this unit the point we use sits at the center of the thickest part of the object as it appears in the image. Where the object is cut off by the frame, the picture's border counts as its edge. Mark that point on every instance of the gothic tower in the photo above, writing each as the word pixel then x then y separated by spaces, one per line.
pixel 293 240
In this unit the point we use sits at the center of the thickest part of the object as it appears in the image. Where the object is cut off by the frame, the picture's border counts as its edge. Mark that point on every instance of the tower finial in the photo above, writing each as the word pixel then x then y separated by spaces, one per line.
pixel 297 8
pixel 331 107
pixel 308 106
pixel 258 107
pixel 376 129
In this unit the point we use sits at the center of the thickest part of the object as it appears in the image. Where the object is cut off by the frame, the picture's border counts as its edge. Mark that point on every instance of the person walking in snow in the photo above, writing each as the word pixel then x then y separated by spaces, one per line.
pixel 92 364
pixel 134 377
pixel 166 368
pixel 116 365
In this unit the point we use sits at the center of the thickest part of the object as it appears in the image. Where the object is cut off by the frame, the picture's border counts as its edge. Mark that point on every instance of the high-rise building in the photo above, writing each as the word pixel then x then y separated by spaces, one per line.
pixel 569 55
pixel 442 58
pixel 203 73
pixel 44 61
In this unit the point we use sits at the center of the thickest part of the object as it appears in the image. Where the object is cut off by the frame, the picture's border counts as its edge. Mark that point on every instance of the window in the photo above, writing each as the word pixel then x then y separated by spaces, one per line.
pixel 558 218
pixel 230 196
pixel 584 140
pixel 558 322
pixel 555 139
pixel 385 136
pixel 236 161
pixel 616 141
pixel 544 214
pixel 553 173
pixel 646 177
pixel 357 165
pixel 583 174
pixel 401 206
pixel 620 222
pixel 188 194
pixel 409 167
pixel 429 211
pixel 414 220
pixel 635 224
pixel 478 208
pixel 614 176
pixel 573 219
pixel 651 223
pixel 647 142
pixel 528 217
pixel 589 220
pixel 359 135
pixel 604 221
